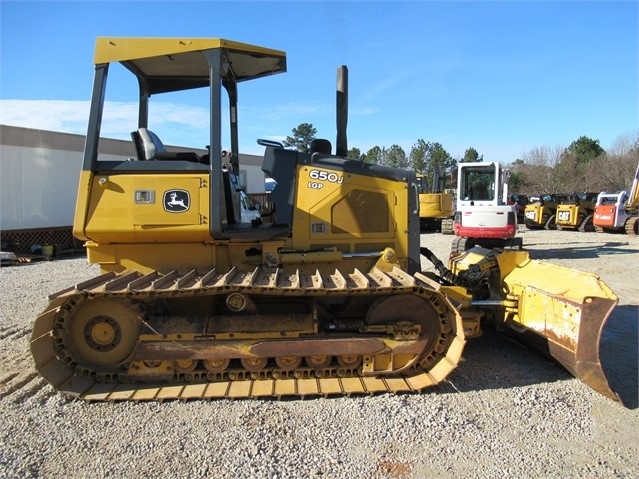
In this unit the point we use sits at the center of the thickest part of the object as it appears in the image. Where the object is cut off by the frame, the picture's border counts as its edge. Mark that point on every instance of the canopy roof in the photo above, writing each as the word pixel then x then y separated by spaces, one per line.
pixel 171 64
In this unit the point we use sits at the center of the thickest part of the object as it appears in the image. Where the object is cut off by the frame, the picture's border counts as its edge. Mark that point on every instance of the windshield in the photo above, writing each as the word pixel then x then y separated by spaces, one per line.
pixel 478 183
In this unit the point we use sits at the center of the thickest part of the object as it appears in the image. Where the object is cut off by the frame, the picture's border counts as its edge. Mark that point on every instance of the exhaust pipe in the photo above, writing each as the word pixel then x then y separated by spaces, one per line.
pixel 341 147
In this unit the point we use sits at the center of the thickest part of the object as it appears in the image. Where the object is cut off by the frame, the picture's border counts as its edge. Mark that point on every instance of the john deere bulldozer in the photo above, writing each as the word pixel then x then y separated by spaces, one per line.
pixel 329 299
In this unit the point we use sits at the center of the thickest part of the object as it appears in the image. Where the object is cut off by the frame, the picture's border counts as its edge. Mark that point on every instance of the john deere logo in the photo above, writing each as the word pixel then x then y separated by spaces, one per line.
pixel 176 201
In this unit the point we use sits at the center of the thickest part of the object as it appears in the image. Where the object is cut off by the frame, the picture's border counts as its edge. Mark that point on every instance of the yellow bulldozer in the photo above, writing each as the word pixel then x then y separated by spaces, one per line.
pixel 191 302
pixel 436 206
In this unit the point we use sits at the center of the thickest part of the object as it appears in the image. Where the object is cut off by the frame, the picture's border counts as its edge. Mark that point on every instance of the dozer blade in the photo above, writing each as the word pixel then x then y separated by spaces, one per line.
pixel 560 312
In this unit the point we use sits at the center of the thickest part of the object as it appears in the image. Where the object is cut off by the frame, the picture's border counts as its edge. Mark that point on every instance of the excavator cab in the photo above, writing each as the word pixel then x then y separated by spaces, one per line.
pixel 482 216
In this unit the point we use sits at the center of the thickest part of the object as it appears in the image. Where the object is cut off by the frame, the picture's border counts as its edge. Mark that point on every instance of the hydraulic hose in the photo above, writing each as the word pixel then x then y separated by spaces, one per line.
pixel 470 278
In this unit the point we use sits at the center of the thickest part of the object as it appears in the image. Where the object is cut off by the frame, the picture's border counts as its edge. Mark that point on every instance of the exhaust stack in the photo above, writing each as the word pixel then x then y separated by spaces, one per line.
pixel 341 148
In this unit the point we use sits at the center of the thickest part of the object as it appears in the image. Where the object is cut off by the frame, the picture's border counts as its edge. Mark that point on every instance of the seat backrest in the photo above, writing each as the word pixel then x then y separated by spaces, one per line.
pixel 139 146
pixel 280 165
pixel 151 143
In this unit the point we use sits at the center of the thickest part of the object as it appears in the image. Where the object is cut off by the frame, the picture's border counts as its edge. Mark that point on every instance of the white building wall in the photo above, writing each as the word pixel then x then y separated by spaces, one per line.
pixel 39 173
pixel 38 187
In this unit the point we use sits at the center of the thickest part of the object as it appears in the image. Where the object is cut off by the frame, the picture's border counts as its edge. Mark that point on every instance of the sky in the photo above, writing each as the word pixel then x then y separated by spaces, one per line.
pixel 501 77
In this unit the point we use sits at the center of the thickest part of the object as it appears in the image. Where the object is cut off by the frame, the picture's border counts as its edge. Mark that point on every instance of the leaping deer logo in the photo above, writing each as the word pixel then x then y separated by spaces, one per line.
pixel 176 201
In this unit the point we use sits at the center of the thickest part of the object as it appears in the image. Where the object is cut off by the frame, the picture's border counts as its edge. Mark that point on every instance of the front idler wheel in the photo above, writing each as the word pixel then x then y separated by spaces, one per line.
pixel 101 333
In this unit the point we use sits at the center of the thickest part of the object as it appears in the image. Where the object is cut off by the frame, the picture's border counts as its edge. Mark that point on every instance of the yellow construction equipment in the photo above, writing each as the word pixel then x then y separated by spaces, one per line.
pixel 328 299
pixel 576 212
pixel 436 208
pixel 542 213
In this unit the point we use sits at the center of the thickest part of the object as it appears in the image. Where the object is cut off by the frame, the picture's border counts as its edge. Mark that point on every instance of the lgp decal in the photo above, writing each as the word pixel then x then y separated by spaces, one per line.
pixel 176 201
pixel 321 176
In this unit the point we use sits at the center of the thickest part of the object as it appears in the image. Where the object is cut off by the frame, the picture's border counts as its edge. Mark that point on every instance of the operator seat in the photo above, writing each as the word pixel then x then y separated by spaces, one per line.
pixel 151 143
pixel 479 191
pixel 148 146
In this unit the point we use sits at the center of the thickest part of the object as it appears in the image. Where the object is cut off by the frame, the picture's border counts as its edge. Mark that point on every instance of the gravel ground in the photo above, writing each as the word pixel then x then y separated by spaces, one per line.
pixel 504 412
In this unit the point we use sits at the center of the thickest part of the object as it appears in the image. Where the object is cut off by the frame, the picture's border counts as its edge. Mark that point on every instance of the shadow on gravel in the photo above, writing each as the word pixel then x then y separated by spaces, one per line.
pixel 493 361
pixel 619 353
pixel 580 250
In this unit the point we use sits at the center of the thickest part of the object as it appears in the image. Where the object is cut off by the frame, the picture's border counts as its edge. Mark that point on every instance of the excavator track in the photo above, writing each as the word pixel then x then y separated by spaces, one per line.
pixel 113 337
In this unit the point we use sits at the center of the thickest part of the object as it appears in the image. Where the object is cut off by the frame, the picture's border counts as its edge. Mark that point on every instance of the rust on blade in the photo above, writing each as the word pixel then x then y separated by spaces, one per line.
pixel 583 361
pixel 563 313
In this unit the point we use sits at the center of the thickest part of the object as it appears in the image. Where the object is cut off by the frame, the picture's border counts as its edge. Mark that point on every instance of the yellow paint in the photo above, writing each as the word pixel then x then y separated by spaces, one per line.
pixel 355 212
pixel 114 216
pixel 117 49
pixel 82 204
pixel 435 205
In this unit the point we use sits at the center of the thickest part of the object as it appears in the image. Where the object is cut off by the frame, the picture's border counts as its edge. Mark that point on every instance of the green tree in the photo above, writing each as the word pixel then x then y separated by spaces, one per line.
pixel 584 149
pixel 417 157
pixel 374 156
pixel 577 163
pixel 439 156
pixel 396 157
pixel 440 159
pixel 582 166
pixel 426 158
pixel 355 153
pixel 471 155
pixel 302 137
pixel 516 181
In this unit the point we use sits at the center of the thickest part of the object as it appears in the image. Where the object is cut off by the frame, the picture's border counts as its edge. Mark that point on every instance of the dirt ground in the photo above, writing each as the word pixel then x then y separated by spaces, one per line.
pixel 504 412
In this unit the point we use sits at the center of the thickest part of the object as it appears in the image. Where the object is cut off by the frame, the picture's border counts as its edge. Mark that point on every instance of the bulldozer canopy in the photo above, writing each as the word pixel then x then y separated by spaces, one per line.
pixel 173 64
